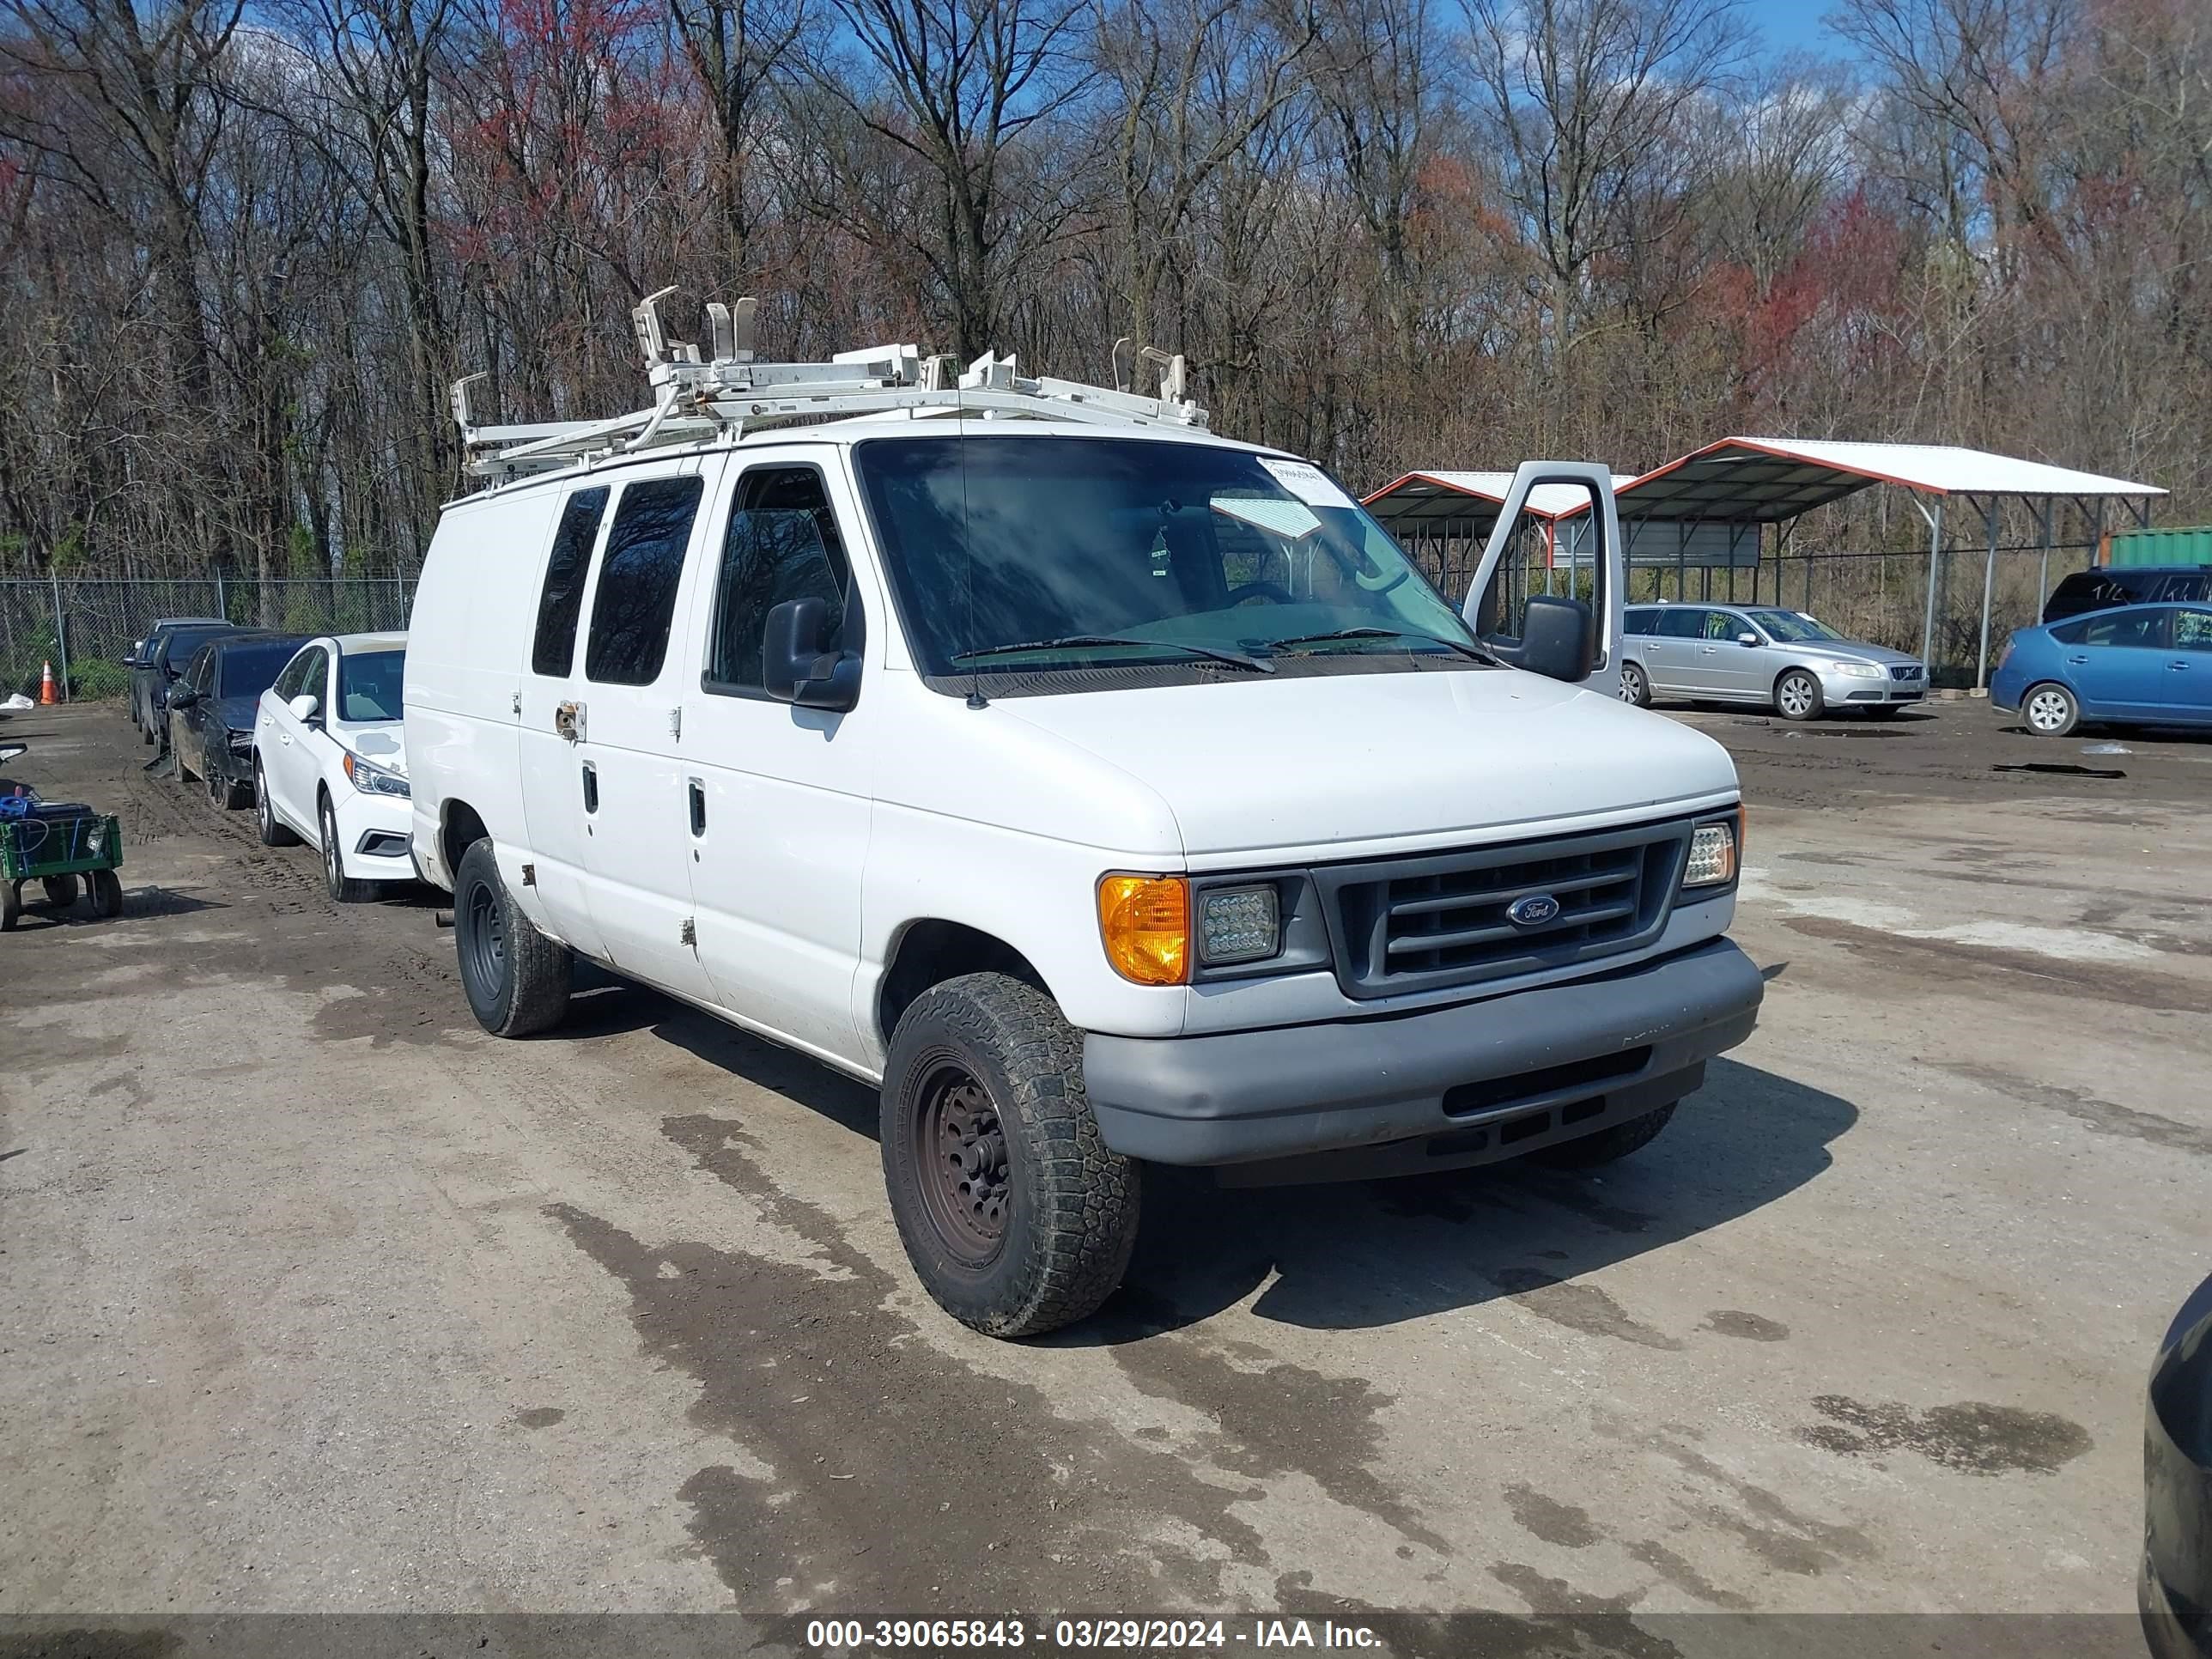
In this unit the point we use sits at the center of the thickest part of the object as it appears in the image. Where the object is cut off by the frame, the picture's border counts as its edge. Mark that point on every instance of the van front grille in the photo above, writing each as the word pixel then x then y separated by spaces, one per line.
pixel 1492 912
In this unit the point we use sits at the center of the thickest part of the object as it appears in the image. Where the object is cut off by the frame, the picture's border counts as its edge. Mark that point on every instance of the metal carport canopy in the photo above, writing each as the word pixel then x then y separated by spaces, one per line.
pixel 1767 480
pixel 1773 480
pixel 1431 500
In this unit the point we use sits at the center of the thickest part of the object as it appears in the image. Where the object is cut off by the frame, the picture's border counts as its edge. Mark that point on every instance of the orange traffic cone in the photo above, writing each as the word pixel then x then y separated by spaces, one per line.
pixel 46 686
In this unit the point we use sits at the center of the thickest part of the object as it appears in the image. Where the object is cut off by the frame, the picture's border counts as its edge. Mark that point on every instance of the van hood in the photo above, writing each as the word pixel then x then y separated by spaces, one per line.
pixel 1274 765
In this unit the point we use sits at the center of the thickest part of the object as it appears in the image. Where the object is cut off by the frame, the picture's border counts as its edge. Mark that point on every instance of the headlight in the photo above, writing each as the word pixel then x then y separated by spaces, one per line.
pixel 1857 671
pixel 372 778
pixel 1145 923
pixel 1238 924
pixel 1712 853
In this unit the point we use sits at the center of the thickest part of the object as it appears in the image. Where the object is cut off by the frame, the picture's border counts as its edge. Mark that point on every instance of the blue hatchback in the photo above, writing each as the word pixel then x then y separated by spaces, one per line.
pixel 2147 665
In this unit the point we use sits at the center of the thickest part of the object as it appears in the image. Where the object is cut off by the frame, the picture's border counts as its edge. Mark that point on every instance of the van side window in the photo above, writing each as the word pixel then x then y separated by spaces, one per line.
pixel 563 598
pixel 639 576
pixel 782 543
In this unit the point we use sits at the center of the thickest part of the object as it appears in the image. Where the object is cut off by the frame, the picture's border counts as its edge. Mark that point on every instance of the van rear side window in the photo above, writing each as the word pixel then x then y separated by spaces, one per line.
pixel 563 600
pixel 638 578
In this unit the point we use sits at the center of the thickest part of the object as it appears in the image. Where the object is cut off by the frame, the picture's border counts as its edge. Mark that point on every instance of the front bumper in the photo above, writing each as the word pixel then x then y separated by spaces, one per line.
pixel 1856 691
pixel 374 830
pixel 1441 1088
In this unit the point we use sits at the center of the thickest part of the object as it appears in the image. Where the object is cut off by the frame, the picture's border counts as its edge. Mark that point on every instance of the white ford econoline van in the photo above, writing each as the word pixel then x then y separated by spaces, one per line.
pixel 1106 792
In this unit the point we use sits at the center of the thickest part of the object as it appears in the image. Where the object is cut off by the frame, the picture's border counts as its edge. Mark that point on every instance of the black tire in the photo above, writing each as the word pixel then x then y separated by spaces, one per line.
pixel 2049 710
pixel 342 888
pixel 61 891
pixel 274 831
pixel 1635 685
pixel 1017 1217
pixel 517 979
pixel 1798 696
pixel 11 905
pixel 222 788
pixel 106 893
pixel 1608 1145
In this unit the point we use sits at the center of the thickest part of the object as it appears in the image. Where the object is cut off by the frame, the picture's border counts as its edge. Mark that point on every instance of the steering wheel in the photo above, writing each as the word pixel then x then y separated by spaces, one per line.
pixel 1274 592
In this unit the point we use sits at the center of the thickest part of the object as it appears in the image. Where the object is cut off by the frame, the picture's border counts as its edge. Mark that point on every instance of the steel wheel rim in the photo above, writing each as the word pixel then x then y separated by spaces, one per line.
pixel 1795 699
pixel 961 1156
pixel 2046 711
pixel 486 943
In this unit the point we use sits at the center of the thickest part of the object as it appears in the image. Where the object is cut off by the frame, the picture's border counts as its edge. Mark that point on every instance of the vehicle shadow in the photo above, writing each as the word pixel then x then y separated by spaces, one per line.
pixel 139 903
pixel 1359 1254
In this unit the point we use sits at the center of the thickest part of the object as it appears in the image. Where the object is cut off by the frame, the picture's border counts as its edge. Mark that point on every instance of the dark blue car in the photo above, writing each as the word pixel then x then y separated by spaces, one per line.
pixel 2144 664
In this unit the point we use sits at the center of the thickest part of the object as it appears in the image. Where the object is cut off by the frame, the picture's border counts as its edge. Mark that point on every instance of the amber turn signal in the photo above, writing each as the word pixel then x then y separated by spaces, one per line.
pixel 1145 922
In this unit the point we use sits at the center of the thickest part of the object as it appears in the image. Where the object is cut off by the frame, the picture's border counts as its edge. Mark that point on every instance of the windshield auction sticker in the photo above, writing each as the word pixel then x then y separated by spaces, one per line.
pixel 1307 482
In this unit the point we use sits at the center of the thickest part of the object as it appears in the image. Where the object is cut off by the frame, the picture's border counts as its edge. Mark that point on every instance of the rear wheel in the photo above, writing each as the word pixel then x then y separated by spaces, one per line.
pixel 274 830
pixel 1609 1144
pixel 1798 696
pixel 342 888
pixel 61 891
pixel 1634 687
pixel 517 979
pixel 2049 710
pixel 11 905
pixel 106 893
pixel 1017 1218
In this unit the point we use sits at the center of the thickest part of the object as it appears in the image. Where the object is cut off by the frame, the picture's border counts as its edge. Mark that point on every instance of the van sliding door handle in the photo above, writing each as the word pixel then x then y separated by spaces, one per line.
pixel 590 787
pixel 698 794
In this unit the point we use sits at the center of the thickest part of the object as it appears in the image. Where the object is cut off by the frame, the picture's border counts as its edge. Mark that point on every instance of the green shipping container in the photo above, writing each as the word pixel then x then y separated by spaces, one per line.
pixel 2182 544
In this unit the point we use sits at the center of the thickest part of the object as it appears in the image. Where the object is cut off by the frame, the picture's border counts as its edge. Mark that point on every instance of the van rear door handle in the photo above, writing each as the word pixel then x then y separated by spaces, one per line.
pixel 590 787
pixel 698 794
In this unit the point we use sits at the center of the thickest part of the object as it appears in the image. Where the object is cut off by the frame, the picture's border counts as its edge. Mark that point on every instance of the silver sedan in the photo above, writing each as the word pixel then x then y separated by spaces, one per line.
pixel 1783 659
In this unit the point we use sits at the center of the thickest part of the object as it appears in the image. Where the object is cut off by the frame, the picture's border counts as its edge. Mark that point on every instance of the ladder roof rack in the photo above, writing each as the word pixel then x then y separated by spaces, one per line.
pixel 729 395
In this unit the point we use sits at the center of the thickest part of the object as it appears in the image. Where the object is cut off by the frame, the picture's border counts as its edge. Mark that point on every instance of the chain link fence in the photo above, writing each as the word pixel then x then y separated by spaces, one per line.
pixel 83 629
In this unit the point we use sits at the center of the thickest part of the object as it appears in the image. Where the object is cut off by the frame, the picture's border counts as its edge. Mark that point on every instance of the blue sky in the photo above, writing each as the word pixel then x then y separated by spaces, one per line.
pixel 1794 26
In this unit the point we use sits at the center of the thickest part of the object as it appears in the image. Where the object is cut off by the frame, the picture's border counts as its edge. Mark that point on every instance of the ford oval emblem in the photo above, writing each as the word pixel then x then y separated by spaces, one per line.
pixel 1533 910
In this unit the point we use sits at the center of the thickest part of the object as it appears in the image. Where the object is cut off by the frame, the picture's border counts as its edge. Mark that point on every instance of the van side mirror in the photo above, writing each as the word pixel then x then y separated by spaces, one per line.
pixel 304 707
pixel 1557 639
pixel 793 667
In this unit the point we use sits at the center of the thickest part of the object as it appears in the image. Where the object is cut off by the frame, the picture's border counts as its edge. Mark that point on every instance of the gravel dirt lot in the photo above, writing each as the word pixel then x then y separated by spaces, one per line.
pixel 315 1298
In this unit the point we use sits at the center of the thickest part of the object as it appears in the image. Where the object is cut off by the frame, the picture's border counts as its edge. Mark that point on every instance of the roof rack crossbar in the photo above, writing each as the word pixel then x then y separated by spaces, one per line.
pixel 729 395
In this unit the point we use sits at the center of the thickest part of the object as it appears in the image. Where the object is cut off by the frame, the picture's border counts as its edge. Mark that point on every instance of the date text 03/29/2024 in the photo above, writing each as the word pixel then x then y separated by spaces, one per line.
pixel 1126 1635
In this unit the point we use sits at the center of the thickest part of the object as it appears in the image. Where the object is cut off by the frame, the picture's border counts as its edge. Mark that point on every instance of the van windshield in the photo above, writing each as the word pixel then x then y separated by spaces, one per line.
pixel 1022 554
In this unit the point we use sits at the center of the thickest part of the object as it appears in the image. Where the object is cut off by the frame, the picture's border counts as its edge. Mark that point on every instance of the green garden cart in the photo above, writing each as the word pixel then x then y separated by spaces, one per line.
pixel 67 849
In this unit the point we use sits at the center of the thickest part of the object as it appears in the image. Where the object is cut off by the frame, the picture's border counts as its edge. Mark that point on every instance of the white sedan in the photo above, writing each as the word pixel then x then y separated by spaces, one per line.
pixel 330 760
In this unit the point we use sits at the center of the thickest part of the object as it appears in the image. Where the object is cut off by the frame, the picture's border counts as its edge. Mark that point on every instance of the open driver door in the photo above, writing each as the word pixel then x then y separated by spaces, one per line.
pixel 1567 637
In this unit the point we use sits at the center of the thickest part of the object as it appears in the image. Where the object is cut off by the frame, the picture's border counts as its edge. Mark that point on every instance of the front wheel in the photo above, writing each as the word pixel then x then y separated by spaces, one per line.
pixel 1634 687
pixel 1798 696
pixel 516 979
pixel 342 888
pixel 2049 710
pixel 106 893
pixel 274 831
pixel 1017 1217
pixel 1608 1145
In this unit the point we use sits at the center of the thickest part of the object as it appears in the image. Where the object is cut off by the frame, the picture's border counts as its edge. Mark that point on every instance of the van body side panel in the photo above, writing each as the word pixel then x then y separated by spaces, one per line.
pixel 981 818
pixel 466 633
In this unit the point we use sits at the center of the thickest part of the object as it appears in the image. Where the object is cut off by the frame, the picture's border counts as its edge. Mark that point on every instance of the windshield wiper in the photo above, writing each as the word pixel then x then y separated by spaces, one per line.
pixel 1234 659
pixel 1473 652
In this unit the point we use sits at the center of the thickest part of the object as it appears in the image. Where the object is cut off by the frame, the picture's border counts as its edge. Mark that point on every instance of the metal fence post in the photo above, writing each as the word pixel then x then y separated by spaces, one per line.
pixel 1935 553
pixel 61 633
pixel 1989 580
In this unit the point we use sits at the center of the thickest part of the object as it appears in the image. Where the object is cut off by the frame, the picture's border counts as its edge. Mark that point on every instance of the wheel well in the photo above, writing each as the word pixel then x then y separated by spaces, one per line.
pixel 930 953
pixel 462 830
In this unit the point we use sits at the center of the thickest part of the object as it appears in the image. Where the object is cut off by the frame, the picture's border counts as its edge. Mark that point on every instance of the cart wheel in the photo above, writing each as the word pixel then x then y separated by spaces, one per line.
pixel 61 891
pixel 11 905
pixel 106 893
